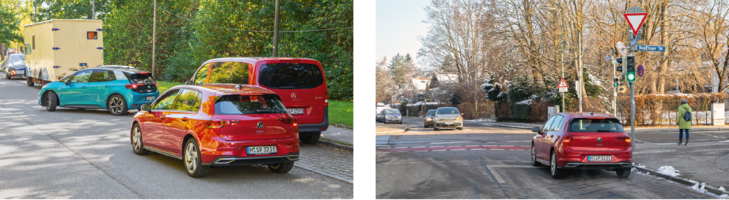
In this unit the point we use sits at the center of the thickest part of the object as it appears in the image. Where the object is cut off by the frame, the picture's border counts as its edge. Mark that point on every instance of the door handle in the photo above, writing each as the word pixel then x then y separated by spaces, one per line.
pixel 162 117
pixel 84 87
pixel 184 119
pixel 106 86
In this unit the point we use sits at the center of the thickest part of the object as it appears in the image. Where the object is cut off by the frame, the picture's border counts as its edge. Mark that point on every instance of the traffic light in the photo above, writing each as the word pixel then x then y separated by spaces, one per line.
pixel 631 68
pixel 620 62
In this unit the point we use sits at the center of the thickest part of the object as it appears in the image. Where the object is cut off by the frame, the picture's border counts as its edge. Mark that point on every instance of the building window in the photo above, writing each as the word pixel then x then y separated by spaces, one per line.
pixel 92 35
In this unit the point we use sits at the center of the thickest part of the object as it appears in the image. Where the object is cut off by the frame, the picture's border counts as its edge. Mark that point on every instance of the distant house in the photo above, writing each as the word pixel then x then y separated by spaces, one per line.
pixel 443 78
pixel 419 84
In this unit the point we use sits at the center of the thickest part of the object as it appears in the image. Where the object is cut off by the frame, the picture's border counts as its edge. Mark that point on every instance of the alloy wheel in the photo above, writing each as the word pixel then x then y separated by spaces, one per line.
pixel 191 158
pixel 137 139
pixel 48 99
pixel 553 164
pixel 116 105
pixel 534 159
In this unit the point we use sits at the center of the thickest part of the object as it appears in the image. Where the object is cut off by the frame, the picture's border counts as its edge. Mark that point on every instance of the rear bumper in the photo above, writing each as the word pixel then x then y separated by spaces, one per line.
pixel 222 152
pixel 323 126
pixel 137 99
pixel 263 160
pixel 591 166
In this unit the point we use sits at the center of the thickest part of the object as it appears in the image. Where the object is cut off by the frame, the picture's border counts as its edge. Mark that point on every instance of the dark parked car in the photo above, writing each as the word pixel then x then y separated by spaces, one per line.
pixel 429 118
pixel 391 116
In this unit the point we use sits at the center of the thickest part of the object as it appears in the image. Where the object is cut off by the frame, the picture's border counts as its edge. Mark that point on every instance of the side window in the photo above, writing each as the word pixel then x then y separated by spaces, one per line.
pixel 102 76
pixel 557 123
pixel 229 72
pixel 81 77
pixel 189 100
pixel 165 102
pixel 202 75
pixel 548 125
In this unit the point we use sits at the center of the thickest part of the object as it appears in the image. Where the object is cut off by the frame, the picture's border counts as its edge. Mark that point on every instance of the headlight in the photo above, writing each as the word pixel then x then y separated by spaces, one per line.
pixel 459 118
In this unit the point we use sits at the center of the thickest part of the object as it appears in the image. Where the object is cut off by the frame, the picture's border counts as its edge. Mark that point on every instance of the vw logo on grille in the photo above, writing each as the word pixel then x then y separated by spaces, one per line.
pixel 599 139
pixel 260 125
pixel 293 95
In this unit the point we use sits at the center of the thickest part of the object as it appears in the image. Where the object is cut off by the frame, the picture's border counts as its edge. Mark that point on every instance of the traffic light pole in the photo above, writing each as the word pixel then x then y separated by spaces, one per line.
pixel 632 102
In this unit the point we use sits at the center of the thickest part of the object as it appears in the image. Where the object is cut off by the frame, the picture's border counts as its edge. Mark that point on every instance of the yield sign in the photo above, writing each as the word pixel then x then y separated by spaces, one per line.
pixel 563 84
pixel 635 20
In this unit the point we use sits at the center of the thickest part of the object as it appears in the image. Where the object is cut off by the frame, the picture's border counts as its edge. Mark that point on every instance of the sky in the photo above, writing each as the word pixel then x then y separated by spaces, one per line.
pixel 399 24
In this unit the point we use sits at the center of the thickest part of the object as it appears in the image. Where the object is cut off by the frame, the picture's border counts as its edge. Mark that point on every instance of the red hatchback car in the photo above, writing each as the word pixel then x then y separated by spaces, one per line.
pixel 582 141
pixel 218 125
pixel 300 82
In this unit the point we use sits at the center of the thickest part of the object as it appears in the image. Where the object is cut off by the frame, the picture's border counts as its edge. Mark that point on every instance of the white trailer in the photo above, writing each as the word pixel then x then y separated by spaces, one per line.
pixel 59 47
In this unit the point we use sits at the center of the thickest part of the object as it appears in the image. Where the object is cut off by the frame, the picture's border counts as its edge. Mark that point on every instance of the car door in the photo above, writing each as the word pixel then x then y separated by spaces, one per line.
pixel 177 119
pixel 539 143
pixel 551 135
pixel 99 86
pixel 75 92
pixel 153 133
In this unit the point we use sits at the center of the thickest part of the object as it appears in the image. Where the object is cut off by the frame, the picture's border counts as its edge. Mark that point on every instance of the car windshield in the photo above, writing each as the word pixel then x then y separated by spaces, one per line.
pixel 431 113
pixel 447 111
pixel 244 104
pixel 595 125
pixel 392 111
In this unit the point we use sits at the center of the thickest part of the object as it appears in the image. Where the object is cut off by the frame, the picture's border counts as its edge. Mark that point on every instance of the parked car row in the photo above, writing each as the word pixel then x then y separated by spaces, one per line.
pixel 390 116
pixel 14 66
pixel 233 111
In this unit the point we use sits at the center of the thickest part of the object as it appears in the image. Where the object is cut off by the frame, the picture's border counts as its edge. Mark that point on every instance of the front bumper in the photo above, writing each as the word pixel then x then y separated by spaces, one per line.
pixel 448 124
pixel 393 120
pixel 219 152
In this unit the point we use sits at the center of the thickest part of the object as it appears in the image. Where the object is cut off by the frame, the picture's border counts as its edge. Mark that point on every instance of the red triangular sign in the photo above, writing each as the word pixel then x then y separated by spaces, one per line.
pixel 563 84
pixel 635 20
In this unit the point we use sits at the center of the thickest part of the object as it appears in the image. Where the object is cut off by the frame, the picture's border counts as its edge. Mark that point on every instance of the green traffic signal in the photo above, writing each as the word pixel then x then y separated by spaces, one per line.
pixel 630 68
pixel 631 76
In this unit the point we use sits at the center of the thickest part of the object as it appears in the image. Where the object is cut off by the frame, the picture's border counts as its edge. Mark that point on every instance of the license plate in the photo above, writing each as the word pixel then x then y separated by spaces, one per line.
pixel 261 150
pixel 599 158
pixel 295 111
pixel 448 123
pixel 150 98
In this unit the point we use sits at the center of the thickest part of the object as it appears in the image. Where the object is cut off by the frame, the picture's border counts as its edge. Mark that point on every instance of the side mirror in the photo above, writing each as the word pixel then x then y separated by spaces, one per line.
pixel 537 130
pixel 187 82
pixel 68 81
pixel 461 114
pixel 146 107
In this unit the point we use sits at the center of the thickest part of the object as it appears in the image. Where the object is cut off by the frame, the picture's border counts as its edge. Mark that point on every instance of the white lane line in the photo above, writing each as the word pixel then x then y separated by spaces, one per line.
pixel 418 147
pixel 473 145
pixel 482 149
pixel 435 146
pixel 457 149
pixel 520 141
pixel 446 142
pixel 439 150
pixel 498 177
pixel 497 149
pixel 506 145
pixel 488 145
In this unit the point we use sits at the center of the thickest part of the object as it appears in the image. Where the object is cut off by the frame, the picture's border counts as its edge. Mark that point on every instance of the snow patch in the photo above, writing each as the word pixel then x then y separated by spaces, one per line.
pixel 525 102
pixel 668 170
pixel 639 165
pixel 722 189
pixel 724 196
pixel 699 188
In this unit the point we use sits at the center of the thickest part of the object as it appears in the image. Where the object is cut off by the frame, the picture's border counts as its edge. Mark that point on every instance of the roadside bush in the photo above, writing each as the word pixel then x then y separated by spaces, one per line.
pixel 659 109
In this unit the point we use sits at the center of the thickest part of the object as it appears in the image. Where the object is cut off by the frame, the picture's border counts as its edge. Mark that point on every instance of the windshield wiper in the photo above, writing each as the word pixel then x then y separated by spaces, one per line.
pixel 287 87
pixel 267 111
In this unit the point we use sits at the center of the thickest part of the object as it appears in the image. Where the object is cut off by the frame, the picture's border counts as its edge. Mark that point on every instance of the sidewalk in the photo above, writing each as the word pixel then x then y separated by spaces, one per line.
pixel 342 138
pixel 694 128
pixel 391 128
pixel 699 162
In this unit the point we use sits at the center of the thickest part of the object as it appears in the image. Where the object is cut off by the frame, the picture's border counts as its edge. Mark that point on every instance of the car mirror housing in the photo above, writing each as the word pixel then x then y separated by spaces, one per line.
pixel 536 130
pixel 461 114
pixel 187 82
pixel 68 81
pixel 146 107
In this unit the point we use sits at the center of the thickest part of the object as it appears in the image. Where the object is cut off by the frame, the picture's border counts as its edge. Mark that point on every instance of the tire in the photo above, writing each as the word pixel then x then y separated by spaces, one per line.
pixel 193 161
pixel 117 105
pixel 51 101
pixel 460 128
pixel 623 173
pixel 310 137
pixel 281 167
pixel 137 141
pixel 7 76
pixel 555 172
pixel 435 129
pixel 30 81
pixel 534 157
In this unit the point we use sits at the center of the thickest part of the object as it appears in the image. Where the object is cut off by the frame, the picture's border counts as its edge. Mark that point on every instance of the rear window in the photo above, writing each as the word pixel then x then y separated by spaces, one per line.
pixel 431 113
pixel 145 79
pixel 290 76
pixel 595 125
pixel 446 111
pixel 17 60
pixel 242 104
pixel 392 111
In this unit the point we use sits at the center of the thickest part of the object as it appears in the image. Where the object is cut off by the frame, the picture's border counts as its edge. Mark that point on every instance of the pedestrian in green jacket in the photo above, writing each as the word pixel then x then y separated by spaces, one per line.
pixel 683 125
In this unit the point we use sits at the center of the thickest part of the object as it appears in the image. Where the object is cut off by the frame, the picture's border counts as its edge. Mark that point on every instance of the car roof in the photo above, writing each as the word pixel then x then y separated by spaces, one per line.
pixel 123 68
pixel 256 59
pixel 228 89
pixel 590 115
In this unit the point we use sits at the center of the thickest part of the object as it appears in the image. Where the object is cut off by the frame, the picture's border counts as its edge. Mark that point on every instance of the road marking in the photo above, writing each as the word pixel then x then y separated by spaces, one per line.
pixel 456 148
pixel 418 147
pixel 520 141
pixel 498 177
pixel 506 145
pixel 439 150
pixel 446 142
pixel 473 145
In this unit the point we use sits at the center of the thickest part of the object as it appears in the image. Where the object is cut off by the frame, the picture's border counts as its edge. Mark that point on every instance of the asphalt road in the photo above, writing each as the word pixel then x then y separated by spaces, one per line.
pixel 480 162
pixel 86 154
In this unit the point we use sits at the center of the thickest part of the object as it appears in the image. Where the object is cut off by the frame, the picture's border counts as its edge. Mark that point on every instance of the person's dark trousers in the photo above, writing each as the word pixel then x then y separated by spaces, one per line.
pixel 680 135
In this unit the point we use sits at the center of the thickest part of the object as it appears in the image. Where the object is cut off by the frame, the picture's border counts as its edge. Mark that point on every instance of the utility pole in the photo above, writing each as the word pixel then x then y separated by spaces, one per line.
pixel 93 8
pixel 154 36
pixel 275 32
pixel 615 91
pixel 475 93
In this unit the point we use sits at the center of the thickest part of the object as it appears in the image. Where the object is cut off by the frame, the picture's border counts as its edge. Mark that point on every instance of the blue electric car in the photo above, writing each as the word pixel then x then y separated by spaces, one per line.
pixel 112 87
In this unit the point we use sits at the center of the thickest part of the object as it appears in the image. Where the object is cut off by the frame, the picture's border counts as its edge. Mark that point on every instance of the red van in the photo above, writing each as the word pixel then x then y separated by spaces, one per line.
pixel 300 82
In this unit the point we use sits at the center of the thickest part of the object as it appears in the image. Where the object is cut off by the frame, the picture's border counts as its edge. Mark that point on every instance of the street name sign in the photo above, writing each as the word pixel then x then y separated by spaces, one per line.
pixel 608 58
pixel 650 48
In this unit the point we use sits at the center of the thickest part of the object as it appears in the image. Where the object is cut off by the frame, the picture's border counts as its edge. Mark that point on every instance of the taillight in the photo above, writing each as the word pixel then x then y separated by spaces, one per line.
pixel 133 86
pixel 570 138
pixel 156 84
pixel 626 139
pixel 289 120
pixel 567 139
pixel 221 123
pixel 144 73
pixel 326 97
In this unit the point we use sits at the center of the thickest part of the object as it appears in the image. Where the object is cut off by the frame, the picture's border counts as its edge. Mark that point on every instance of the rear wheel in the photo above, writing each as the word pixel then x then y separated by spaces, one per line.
pixel 7 76
pixel 556 172
pixel 30 81
pixel 137 143
pixel 310 137
pixel 193 160
pixel 117 105
pixel 534 157
pixel 623 173
pixel 435 129
pixel 51 101
pixel 281 167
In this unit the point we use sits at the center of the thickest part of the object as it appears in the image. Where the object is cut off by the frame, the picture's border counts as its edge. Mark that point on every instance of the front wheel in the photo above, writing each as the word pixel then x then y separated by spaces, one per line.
pixel 623 173
pixel 281 167
pixel 51 101
pixel 193 160
pixel 534 157
pixel 117 105
pixel 30 81
pixel 137 144
pixel 310 137
pixel 556 172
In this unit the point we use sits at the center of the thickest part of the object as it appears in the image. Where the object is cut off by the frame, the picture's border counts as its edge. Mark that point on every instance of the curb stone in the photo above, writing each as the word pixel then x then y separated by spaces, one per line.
pixel 683 181
pixel 341 126
pixel 335 145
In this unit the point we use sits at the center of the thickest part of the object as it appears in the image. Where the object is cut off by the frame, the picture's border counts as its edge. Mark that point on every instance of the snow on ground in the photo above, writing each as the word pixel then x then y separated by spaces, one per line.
pixel 668 170
pixel 724 196
pixel 699 188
